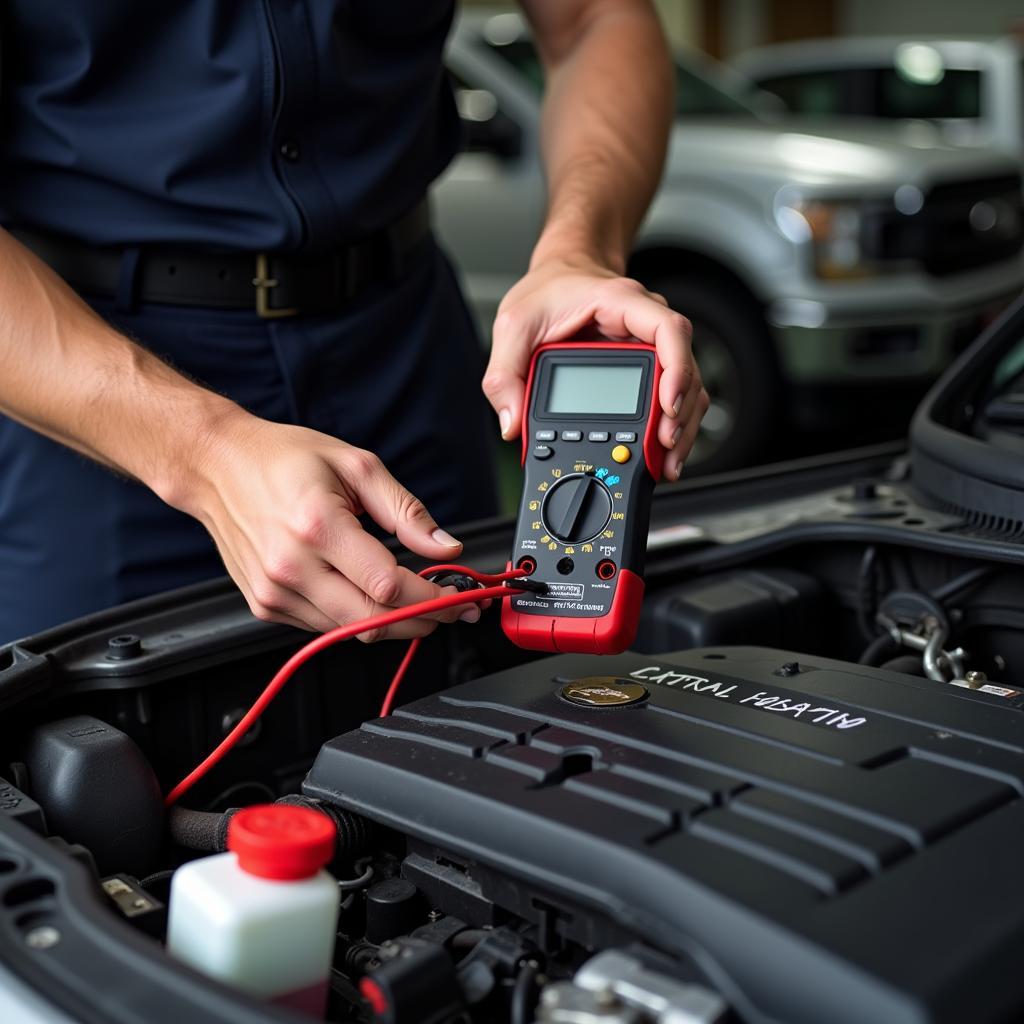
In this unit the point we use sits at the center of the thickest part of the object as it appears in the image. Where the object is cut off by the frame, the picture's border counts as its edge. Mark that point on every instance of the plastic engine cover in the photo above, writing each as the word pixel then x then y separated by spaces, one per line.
pixel 830 842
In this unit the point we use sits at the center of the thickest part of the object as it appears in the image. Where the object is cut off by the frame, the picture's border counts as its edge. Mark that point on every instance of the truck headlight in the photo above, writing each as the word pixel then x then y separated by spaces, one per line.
pixel 835 231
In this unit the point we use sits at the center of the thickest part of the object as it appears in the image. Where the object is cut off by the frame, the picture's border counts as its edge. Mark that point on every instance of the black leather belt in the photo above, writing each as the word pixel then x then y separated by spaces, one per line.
pixel 274 284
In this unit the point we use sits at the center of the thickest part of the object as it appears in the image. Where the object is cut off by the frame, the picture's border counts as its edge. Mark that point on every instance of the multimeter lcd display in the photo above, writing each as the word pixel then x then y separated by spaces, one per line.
pixel 582 390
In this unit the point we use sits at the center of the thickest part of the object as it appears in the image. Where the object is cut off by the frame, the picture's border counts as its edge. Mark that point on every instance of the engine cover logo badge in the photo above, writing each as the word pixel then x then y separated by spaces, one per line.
pixel 604 692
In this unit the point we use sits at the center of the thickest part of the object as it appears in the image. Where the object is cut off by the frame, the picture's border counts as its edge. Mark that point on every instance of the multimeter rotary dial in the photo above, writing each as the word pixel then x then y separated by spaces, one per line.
pixel 576 509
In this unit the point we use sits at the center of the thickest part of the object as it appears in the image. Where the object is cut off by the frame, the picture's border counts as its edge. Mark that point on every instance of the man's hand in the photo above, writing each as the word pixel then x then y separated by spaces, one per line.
pixel 281 503
pixel 604 129
pixel 557 300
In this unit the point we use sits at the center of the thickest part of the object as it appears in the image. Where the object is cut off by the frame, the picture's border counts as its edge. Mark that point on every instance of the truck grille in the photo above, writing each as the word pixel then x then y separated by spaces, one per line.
pixel 962 225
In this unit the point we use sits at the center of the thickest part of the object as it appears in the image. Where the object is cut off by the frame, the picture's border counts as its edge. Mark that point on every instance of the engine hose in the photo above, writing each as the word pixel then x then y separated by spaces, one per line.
pixel 200 830
pixel 880 649
pixel 907 664
pixel 524 994
pixel 867 597
pixel 354 832
pixel 208 830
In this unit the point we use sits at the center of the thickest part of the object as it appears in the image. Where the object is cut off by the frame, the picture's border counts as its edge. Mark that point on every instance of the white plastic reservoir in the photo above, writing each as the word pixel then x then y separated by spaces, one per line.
pixel 263 916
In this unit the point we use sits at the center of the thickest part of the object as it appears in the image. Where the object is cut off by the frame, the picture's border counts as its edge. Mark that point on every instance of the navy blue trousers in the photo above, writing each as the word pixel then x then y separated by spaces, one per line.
pixel 397 372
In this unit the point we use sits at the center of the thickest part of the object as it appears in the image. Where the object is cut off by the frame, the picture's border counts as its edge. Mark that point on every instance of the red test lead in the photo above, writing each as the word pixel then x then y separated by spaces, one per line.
pixel 495 587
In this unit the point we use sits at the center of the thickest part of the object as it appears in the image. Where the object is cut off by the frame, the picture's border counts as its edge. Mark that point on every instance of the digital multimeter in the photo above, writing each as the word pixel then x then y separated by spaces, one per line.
pixel 591 458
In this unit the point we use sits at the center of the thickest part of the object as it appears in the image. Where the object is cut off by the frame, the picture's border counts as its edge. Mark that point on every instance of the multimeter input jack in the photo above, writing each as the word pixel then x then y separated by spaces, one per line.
pixel 606 569
pixel 527 565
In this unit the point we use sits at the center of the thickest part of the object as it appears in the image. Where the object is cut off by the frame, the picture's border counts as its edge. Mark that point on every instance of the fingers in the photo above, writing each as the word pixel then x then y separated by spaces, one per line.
pixel 369 565
pixel 670 428
pixel 294 585
pixel 679 373
pixel 554 304
pixel 629 310
pixel 357 576
pixel 329 600
pixel 686 437
pixel 274 604
pixel 345 603
pixel 284 518
pixel 647 317
pixel 504 380
pixel 393 507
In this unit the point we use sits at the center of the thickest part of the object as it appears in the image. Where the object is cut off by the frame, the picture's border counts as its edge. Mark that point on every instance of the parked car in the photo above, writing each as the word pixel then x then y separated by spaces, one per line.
pixel 973 89
pixel 798 799
pixel 827 271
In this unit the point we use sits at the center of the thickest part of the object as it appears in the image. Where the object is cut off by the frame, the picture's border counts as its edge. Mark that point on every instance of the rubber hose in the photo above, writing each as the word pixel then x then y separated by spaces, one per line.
pixel 208 830
pixel 354 832
pixel 908 664
pixel 880 649
pixel 200 830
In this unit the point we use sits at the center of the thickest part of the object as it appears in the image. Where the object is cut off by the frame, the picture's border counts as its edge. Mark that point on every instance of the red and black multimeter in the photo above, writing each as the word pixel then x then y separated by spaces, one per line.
pixel 591 458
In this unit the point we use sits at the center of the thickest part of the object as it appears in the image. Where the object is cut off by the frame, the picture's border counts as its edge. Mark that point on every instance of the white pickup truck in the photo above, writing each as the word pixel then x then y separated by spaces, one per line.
pixel 972 88
pixel 828 273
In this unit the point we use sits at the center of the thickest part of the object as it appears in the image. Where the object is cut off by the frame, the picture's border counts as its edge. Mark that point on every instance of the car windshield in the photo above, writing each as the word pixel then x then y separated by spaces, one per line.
pixel 695 95
pixel 957 94
pixel 889 92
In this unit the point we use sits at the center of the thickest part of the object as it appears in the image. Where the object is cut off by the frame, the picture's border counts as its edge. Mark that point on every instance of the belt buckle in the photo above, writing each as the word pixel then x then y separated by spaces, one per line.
pixel 264 284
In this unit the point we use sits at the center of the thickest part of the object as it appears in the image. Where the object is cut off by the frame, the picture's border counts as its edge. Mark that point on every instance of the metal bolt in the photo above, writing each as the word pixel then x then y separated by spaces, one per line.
pixel 124 647
pixel 43 937
pixel 864 490
pixel 975 678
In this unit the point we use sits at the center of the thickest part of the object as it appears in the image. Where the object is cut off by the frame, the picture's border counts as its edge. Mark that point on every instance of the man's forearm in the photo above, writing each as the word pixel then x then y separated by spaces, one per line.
pixel 68 374
pixel 281 502
pixel 605 125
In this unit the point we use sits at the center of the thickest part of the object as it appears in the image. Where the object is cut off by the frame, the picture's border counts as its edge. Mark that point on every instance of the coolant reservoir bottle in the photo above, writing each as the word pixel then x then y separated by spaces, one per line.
pixel 263 916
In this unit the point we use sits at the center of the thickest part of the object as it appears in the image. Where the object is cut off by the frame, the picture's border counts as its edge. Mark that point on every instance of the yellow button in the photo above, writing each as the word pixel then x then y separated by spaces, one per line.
pixel 620 453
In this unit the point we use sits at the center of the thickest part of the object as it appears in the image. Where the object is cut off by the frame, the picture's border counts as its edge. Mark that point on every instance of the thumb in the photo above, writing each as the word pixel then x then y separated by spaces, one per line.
pixel 399 511
pixel 504 382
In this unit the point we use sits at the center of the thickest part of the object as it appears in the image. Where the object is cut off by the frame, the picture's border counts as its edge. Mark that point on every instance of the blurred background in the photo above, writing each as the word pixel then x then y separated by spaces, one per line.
pixel 841 213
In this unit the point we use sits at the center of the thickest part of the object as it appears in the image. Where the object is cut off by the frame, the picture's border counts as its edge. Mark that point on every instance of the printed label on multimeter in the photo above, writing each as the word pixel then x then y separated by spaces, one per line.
pixel 591 458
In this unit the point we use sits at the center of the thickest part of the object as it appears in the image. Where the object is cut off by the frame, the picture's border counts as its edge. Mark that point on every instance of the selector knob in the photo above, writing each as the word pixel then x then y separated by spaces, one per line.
pixel 577 508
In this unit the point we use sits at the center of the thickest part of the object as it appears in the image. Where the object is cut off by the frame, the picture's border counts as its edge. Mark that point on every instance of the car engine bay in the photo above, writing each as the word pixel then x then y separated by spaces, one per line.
pixel 797 799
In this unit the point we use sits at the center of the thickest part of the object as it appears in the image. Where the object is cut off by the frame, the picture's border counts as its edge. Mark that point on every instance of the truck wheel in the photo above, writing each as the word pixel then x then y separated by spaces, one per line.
pixel 733 349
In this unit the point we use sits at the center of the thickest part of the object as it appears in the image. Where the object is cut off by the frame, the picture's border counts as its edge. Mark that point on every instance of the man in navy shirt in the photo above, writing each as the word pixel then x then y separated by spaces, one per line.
pixel 217 280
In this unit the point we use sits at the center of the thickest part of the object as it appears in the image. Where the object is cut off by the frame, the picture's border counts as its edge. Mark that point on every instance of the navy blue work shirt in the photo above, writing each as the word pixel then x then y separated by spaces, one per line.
pixel 254 124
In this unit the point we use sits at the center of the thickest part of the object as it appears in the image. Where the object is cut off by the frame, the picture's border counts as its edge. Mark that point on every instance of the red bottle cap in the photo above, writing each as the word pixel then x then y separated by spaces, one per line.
pixel 281 842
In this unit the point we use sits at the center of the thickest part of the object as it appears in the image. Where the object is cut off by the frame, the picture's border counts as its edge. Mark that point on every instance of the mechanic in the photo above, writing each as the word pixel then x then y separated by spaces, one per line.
pixel 237 192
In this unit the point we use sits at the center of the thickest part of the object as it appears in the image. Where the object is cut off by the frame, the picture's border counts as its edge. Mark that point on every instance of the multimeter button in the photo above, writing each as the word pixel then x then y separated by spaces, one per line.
pixel 620 453
pixel 598 435
pixel 544 435
pixel 572 435
pixel 627 436
pixel 542 451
